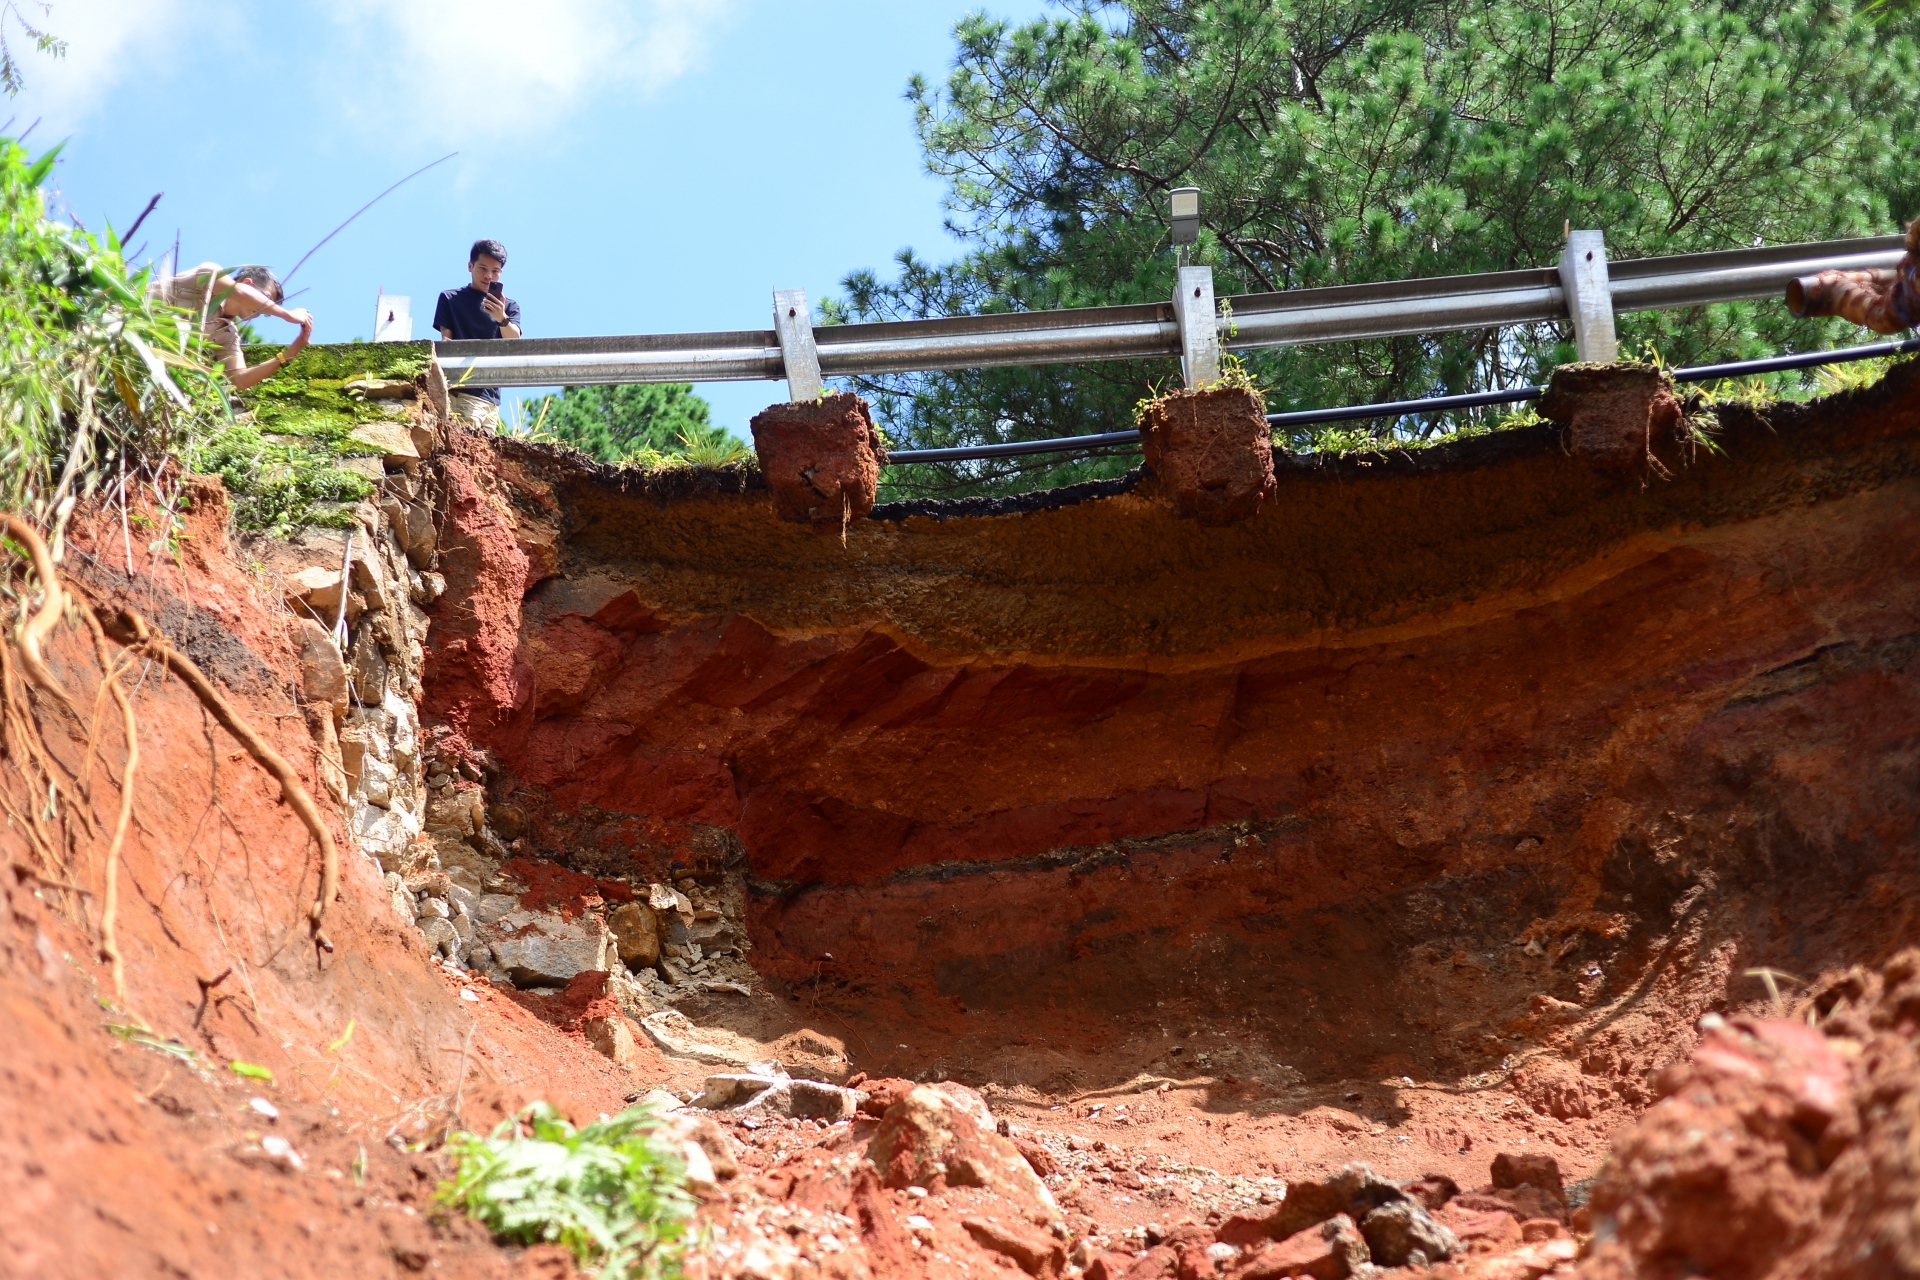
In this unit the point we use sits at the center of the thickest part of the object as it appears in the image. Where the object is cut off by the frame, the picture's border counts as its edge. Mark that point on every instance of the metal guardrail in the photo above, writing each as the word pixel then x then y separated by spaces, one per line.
pixel 1340 313
pixel 1402 408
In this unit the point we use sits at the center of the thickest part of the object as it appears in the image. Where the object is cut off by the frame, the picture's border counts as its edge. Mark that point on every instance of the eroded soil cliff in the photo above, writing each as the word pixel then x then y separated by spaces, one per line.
pixel 1442 761
pixel 1417 821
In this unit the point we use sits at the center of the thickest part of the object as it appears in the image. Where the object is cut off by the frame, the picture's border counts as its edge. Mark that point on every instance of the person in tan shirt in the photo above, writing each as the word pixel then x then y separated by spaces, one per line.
pixel 222 299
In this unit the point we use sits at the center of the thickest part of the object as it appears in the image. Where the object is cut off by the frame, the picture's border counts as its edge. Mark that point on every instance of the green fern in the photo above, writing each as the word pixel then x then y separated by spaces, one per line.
pixel 613 1193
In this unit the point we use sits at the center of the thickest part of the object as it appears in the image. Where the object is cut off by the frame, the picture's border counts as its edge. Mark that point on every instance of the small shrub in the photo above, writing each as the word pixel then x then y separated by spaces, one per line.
pixel 614 1193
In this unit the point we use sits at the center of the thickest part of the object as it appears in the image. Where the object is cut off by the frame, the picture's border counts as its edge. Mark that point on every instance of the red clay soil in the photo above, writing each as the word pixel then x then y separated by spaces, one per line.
pixel 1212 452
pixel 1786 1147
pixel 821 459
pixel 131 1146
pixel 1615 415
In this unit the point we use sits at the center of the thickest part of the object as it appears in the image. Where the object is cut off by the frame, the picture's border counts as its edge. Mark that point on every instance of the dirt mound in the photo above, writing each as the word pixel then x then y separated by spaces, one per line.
pixel 1781 1149
pixel 1213 452
pixel 821 458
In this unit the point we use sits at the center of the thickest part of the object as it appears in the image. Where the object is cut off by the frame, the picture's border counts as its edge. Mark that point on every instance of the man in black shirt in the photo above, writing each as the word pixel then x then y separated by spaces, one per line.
pixel 479 310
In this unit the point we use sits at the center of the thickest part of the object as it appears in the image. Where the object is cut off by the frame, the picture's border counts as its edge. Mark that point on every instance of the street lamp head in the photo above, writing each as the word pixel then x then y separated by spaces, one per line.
pixel 1186 215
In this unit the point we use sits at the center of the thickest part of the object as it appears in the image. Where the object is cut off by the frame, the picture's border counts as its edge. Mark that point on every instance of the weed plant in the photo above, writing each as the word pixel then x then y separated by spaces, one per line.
pixel 98 385
pixel 103 389
pixel 692 444
pixel 614 1193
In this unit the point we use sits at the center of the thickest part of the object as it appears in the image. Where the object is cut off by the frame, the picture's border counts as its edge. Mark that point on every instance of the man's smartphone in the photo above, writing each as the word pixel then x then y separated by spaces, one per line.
pixel 496 290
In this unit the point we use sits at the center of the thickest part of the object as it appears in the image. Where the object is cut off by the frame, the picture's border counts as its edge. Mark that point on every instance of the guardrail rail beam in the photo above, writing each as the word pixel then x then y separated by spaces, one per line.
pixel 1338 313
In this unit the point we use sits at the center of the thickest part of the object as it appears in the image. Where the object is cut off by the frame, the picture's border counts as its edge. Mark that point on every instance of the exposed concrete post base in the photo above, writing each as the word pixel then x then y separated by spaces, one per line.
pixel 821 458
pixel 1614 414
pixel 1213 451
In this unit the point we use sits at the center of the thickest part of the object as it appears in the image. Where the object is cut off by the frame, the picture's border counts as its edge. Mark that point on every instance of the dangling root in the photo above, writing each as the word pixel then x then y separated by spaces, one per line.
pixel 129 628
pixel 47 798
pixel 34 629
pixel 110 902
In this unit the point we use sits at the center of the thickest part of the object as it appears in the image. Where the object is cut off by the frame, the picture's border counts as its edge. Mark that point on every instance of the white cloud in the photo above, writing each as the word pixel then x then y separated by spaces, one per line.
pixel 107 42
pixel 470 71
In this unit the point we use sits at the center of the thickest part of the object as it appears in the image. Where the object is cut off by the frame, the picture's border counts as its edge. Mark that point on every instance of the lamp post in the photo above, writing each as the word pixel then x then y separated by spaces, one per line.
pixel 1186 220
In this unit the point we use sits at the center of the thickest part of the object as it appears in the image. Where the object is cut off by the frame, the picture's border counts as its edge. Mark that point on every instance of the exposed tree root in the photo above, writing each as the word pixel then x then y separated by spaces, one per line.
pixel 128 628
pixel 110 900
pixel 34 629
pixel 136 633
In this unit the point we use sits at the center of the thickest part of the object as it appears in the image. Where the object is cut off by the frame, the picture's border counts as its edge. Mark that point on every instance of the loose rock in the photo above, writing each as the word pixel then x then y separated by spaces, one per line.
pixel 636 931
pixel 1332 1250
pixel 613 1038
pixel 1404 1234
pixel 927 1137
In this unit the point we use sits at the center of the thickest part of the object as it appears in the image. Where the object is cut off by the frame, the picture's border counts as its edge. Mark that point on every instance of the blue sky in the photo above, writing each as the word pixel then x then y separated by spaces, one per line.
pixel 651 165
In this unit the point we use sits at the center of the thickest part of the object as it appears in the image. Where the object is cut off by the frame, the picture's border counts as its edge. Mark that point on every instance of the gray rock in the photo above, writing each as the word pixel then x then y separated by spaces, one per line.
pixel 402 900
pixel 439 934
pixel 613 1038
pixel 436 907
pixel 412 526
pixel 428 587
pixel 732 1090
pixel 779 1095
pixel 376 781
pixel 1403 1233
pixel 540 949
pixel 810 1100
pixel 666 898
pixel 465 878
pixel 454 810
pixel 369 579
pixel 709 935
pixel 368 666
pixel 323 676
pixel 678 1037
pixel 1355 1190
pixel 490 907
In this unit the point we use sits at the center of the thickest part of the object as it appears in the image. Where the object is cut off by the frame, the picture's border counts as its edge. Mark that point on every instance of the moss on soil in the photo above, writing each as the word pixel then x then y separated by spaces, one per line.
pixel 281 456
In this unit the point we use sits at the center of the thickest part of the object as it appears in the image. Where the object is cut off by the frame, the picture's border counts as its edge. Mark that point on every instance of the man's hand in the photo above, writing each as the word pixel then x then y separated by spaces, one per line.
pixel 494 307
pixel 300 316
pixel 299 344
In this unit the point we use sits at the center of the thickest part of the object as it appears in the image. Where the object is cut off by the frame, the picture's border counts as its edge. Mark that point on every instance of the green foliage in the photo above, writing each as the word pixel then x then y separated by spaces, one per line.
pixel 281 459
pixel 614 1193
pixel 11 79
pixel 95 377
pixel 646 424
pixel 92 375
pixel 1349 141
pixel 140 1034
pixel 1831 379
